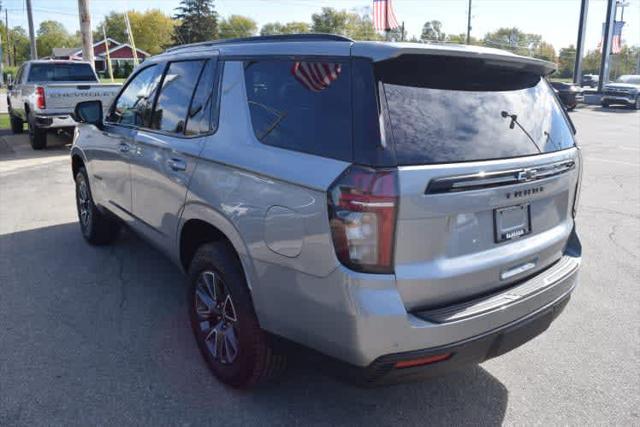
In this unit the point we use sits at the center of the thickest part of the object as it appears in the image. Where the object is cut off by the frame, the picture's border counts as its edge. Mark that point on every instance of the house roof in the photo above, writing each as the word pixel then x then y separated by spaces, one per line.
pixel 123 45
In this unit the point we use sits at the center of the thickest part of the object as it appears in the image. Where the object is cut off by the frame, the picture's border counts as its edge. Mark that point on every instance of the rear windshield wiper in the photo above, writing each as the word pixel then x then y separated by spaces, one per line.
pixel 514 121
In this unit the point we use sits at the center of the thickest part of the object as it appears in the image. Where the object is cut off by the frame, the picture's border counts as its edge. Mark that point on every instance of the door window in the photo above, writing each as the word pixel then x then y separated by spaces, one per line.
pixel 199 120
pixel 170 114
pixel 134 104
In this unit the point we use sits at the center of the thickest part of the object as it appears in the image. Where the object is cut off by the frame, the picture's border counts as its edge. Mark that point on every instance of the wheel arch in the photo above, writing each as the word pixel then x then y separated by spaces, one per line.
pixel 201 224
pixel 77 161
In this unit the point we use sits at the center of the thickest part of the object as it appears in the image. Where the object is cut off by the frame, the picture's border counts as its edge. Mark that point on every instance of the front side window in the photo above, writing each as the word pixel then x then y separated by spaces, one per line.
pixel 170 114
pixel 134 104
pixel 301 105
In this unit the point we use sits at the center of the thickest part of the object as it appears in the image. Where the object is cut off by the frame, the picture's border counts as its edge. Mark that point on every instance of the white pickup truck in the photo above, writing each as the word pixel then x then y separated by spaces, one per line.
pixel 45 93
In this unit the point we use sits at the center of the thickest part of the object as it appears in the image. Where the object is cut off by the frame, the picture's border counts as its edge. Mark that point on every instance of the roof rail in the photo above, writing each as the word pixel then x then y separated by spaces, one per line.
pixel 302 37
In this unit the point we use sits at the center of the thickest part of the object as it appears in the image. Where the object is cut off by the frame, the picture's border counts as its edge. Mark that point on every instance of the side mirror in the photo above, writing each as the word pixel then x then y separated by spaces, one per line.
pixel 89 112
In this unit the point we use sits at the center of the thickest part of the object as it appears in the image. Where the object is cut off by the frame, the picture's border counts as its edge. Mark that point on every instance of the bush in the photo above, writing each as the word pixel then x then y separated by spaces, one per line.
pixel 8 69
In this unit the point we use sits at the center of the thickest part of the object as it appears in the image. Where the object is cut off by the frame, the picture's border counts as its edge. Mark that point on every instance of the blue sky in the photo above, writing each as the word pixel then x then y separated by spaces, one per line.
pixel 556 20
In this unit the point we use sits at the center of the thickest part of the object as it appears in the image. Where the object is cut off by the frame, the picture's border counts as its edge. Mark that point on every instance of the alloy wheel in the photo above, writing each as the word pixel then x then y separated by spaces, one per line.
pixel 217 319
pixel 84 202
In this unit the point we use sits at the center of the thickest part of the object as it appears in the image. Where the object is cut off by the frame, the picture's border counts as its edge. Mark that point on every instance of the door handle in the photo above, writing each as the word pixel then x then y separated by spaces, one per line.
pixel 124 148
pixel 177 164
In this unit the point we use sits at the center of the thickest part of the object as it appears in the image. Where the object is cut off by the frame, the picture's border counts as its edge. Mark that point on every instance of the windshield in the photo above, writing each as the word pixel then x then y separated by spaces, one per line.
pixel 61 72
pixel 634 80
pixel 444 110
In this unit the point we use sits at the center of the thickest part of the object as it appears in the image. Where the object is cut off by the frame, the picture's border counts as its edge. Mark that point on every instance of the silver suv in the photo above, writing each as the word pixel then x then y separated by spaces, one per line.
pixel 403 208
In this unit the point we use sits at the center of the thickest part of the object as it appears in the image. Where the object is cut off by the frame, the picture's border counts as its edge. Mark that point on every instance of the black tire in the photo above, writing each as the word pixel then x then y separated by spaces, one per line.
pixel 637 105
pixel 96 227
pixel 17 125
pixel 37 136
pixel 604 104
pixel 258 358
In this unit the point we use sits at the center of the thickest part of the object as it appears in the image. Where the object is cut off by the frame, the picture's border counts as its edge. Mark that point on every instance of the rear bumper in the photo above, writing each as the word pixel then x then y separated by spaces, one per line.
pixel 471 351
pixel 361 318
pixel 51 121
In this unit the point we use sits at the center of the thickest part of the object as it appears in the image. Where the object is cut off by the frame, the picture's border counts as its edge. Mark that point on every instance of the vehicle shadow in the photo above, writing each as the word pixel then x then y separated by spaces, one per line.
pixel 113 320
pixel 615 109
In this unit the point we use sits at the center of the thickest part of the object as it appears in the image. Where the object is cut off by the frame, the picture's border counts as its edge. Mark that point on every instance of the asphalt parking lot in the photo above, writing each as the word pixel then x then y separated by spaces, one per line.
pixel 101 336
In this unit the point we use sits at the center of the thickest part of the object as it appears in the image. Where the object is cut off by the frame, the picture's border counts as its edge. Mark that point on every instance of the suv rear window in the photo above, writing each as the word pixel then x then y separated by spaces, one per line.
pixel 301 105
pixel 61 72
pixel 445 110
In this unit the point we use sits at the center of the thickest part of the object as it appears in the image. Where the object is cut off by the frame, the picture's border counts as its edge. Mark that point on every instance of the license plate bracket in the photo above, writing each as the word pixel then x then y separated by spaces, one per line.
pixel 512 222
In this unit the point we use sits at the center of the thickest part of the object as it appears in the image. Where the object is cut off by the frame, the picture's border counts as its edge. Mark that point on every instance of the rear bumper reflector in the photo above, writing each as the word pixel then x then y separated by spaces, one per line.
pixel 422 361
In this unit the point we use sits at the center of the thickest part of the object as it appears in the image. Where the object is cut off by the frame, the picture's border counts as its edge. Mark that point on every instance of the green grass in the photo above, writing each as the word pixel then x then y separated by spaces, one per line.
pixel 108 80
pixel 4 121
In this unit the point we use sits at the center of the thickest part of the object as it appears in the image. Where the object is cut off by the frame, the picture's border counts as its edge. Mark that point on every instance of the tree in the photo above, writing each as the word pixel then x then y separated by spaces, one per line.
pixel 21 49
pixel 152 29
pixel 350 24
pixel 566 61
pixel 462 39
pixel 591 62
pixel 330 20
pixel 515 40
pixel 52 34
pixel 545 51
pixel 198 21
pixel 237 26
pixel 432 31
pixel 272 28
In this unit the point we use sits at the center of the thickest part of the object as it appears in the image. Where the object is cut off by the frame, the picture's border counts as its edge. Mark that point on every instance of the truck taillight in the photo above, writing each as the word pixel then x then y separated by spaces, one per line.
pixel 40 98
pixel 362 213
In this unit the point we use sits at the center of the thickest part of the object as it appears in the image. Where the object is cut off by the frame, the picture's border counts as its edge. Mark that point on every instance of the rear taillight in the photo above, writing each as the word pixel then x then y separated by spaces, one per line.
pixel 576 196
pixel 40 98
pixel 362 212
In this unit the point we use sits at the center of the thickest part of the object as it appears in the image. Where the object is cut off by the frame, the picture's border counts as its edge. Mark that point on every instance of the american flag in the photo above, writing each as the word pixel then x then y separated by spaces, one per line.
pixel 316 76
pixel 383 17
pixel 616 40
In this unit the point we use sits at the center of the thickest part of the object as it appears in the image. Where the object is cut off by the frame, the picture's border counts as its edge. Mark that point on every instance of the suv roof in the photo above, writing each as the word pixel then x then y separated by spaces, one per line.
pixel 336 45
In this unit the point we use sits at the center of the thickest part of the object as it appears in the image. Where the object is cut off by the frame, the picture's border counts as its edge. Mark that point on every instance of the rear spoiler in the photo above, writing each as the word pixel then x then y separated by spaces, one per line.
pixel 379 51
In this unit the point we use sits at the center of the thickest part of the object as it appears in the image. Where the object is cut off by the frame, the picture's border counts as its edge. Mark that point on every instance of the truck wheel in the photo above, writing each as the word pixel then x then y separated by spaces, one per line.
pixel 37 136
pixel 637 106
pixel 17 125
pixel 604 104
pixel 96 227
pixel 236 349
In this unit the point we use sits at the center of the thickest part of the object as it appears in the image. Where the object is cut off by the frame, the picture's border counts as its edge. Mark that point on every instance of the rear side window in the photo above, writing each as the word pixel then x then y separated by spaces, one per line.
pixel 134 104
pixel 199 120
pixel 301 105
pixel 170 114
pixel 61 72
pixel 445 110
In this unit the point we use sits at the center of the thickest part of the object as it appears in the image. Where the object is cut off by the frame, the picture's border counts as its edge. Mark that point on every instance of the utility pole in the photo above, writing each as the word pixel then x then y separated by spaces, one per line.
pixel 582 25
pixel 85 30
pixel 469 24
pixel 32 36
pixel 606 44
pixel 8 48
pixel 2 53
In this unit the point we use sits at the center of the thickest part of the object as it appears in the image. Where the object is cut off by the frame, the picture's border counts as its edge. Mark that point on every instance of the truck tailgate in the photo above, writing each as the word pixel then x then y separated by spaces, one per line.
pixel 63 97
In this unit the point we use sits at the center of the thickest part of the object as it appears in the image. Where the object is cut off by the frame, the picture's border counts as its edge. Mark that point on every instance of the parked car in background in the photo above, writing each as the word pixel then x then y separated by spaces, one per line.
pixel 568 93
pixel 323 190
pixel 624 91
pixel 45 93
pixel 590 80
